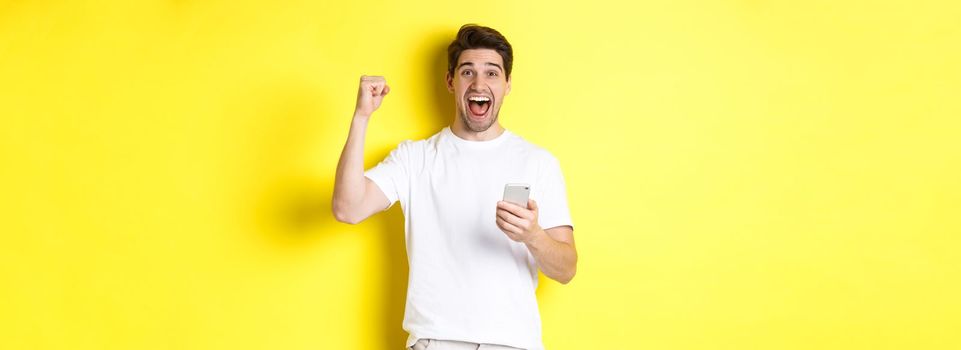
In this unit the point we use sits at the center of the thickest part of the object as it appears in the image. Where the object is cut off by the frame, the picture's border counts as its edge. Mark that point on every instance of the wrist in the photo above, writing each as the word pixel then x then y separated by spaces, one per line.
pixel 361 116
pixel 535 238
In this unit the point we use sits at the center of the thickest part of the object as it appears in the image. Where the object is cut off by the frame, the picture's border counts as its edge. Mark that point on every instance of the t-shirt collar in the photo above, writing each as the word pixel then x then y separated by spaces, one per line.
pixel 476 144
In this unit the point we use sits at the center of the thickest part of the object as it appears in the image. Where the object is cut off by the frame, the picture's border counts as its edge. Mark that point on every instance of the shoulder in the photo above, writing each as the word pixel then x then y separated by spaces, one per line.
pixel 533 151
pixel 417 149
pixel 411 144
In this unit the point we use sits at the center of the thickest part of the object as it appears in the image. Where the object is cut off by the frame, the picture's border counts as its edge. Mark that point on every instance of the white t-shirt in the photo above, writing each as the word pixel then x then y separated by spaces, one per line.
pixel 468 281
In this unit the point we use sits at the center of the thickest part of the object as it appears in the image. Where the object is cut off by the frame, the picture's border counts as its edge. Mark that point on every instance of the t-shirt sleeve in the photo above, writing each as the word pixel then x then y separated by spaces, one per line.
pixel 552 198
pixel 390 175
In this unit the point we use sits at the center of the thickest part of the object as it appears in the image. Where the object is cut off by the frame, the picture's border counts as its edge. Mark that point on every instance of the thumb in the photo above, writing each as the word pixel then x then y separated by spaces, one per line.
pixel 532 204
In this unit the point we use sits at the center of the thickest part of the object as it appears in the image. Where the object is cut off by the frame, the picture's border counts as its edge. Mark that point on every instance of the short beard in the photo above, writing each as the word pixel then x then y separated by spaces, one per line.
pixel 478 126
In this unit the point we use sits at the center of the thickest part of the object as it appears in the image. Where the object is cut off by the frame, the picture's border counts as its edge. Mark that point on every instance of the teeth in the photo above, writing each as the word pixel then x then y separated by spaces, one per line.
pixel 479 98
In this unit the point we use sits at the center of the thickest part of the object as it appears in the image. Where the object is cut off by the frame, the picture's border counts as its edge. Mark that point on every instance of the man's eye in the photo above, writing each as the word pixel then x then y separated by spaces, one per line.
pixel 466 73
pixel 492 74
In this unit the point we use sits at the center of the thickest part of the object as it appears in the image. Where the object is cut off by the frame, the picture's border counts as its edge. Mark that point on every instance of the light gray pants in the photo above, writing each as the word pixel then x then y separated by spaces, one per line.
pixel 434 344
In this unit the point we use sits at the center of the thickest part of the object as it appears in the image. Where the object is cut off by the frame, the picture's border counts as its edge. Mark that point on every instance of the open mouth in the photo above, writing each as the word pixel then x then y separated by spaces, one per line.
pixel 478 105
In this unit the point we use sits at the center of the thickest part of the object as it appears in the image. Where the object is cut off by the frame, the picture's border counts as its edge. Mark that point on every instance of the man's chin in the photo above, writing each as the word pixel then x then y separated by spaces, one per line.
pixel 478 125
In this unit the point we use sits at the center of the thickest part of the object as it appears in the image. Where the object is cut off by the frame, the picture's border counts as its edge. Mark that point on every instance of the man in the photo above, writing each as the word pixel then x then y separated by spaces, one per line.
pixel 473 258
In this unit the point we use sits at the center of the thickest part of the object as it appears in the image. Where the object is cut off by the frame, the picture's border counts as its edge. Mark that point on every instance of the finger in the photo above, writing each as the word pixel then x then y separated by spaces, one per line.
pixel 504 215
pixel 370 80
pixel 518 211
pixel 510 218
pixel 511 207
pixel 513 220
pixel 377 88
pixel 532 204
pixel 386 89
pixel 364 86
pixel 507 227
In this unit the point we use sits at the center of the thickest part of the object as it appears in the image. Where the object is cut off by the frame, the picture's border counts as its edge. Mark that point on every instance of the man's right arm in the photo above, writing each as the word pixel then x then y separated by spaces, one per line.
pixel 355 196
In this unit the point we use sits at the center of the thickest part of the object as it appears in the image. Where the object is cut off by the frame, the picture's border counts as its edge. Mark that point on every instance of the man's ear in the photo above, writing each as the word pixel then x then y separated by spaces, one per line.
pixel 450 82
pixel 508 86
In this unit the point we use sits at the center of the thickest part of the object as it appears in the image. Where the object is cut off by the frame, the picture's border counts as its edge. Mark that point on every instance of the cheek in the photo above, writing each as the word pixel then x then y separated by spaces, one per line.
pixel 503 89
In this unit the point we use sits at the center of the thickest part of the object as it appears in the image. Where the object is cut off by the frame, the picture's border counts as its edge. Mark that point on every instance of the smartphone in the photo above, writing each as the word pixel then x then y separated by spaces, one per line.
pixel 517 194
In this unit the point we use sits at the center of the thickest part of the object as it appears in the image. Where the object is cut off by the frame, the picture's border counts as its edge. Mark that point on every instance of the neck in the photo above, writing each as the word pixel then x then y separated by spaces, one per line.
pixel 462 131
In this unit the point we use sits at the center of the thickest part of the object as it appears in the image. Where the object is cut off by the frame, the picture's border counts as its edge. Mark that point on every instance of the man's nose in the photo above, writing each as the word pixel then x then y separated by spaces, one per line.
pixel 476 85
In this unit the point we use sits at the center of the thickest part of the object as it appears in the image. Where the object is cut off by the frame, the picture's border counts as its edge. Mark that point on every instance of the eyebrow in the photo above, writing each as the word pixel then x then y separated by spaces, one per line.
pixel 485 63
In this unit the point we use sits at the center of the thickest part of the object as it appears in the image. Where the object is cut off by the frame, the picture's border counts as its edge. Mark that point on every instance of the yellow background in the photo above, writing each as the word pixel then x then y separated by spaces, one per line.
pixel 743 174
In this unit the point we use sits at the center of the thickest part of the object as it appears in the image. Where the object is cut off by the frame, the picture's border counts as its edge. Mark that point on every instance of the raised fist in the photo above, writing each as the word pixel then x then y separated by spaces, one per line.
pixel 370 95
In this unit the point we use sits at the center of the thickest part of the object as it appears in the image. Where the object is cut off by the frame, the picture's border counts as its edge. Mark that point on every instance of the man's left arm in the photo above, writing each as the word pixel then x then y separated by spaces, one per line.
pixel 553 248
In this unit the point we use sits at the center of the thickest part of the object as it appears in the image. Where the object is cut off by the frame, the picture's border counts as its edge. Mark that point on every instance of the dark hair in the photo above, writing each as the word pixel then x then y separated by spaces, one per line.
pixel 472 36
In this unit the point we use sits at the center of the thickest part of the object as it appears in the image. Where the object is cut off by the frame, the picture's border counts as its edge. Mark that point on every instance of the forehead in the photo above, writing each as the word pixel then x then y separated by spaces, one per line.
pixel 479 57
